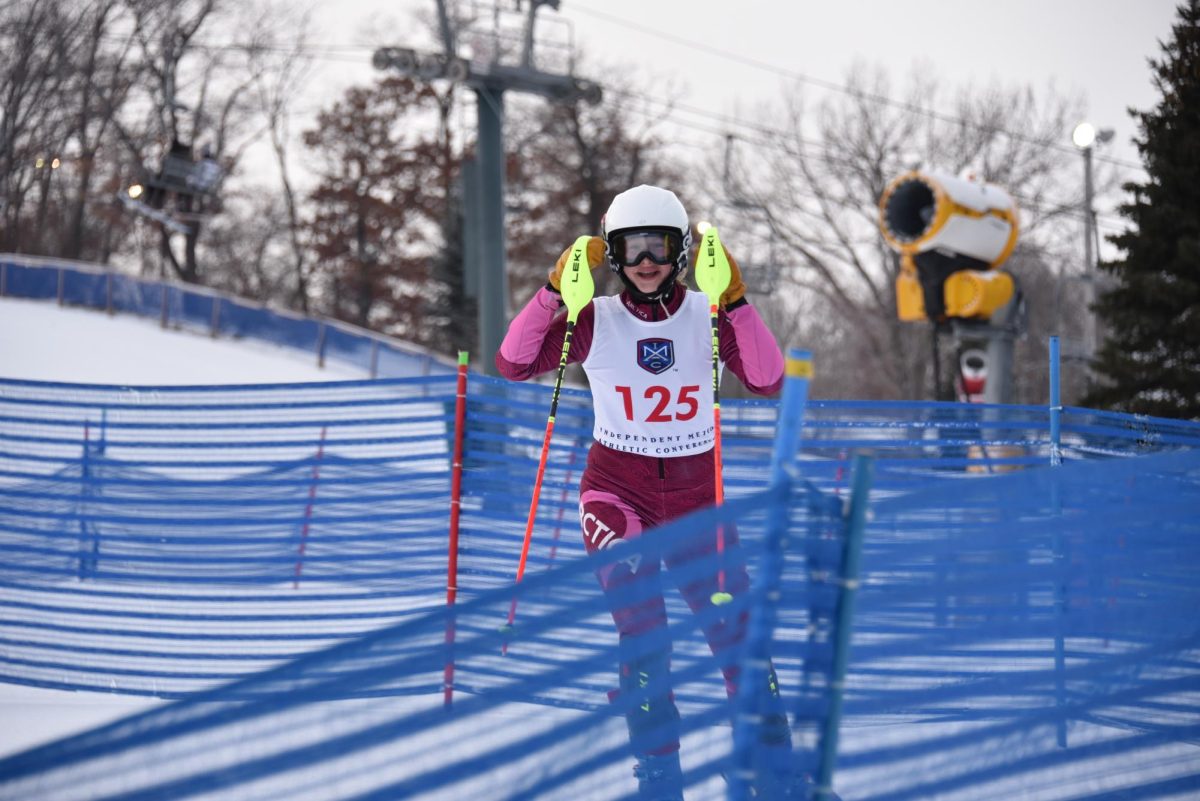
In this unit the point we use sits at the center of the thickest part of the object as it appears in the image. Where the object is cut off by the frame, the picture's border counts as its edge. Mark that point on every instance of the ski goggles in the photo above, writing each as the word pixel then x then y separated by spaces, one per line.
pixel 660 245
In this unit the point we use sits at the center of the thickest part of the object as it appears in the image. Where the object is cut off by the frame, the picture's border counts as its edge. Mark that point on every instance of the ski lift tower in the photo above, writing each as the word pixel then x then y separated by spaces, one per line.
pixel 489 79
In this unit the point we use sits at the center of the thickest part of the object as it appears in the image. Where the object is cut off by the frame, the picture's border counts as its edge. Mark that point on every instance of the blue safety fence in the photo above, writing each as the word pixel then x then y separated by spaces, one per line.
pixel 200 310
pixel 1036 632
pixel 121 508
pixel 1014 628
pixel 330 724
pixel 183 537
pixel 276 558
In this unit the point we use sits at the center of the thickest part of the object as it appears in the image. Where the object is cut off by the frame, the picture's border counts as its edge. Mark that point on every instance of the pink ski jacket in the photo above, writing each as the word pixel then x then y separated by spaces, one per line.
pixel 533 344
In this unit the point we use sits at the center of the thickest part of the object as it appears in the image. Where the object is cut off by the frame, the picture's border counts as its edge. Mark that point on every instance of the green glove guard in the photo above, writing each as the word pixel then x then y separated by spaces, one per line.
pixel 712 266
pixel 576 285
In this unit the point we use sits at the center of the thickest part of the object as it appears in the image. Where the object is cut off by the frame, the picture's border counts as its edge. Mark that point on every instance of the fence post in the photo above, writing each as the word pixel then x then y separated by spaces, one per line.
pixel 308 509
pixel 89 543
pixel 456 468
pixel 214 324
pixel 62 278
pixel 756 658
pixel 1060 555
pixel 798 370
pixel 856 521
pixel 321 344
pixel 1055 406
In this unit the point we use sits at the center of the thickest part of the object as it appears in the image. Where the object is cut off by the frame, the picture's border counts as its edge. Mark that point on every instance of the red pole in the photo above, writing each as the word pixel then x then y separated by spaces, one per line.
pixel 312 496
pixel 460 416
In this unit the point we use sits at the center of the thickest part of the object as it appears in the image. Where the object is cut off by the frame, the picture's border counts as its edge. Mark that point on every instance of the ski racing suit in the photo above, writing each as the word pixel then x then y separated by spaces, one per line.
pixel 650 370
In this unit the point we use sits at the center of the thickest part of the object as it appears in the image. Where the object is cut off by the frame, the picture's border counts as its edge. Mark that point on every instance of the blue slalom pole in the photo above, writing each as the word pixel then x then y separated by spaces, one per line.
pixel 756 652
pixel 856 523
pixel 798 371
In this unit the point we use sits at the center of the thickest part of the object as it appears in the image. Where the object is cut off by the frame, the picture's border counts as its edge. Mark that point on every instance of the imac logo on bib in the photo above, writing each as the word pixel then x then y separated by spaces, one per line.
pixel 655 355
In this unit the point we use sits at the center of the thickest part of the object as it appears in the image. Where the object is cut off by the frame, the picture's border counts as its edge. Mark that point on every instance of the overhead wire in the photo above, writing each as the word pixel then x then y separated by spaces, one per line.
pixel 831 86
pixel 347 53
pixel 771 138
pixel 764 136
pixel 767 135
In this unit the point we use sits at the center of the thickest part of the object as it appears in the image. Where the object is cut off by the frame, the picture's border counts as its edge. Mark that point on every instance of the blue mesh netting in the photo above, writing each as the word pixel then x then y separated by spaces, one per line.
pixel 1038 624
pixel 534 722
pixel 206 311
pixel 276 558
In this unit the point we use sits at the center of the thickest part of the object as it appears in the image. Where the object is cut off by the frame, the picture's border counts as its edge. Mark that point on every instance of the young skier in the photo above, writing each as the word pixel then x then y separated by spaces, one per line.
pixel 647 353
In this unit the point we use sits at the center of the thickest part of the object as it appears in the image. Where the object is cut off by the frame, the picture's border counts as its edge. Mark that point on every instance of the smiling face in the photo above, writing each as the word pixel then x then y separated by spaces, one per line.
pixel 646 275
pixel 647 256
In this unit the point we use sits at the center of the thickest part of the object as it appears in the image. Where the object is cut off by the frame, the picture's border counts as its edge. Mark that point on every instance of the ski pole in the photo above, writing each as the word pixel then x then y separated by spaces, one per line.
pixel 712 276
pixel 577 288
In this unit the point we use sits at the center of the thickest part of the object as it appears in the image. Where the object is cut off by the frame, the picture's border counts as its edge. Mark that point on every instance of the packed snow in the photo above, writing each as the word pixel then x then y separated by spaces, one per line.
pixel 42 342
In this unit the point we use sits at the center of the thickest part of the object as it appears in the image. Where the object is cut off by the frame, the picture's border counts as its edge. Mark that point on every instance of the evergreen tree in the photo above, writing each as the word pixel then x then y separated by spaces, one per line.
pixel 1149 362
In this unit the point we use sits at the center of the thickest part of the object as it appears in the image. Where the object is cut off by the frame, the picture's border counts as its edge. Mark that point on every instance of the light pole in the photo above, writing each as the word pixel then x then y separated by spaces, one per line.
pixel 1085 136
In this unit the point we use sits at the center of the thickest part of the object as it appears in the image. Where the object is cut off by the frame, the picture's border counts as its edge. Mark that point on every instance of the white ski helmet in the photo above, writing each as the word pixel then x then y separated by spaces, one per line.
pixel 643 208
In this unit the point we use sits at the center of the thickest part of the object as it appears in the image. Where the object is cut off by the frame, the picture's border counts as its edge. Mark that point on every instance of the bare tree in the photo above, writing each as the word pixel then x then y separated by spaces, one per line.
pixel 96 93
pixel 249 249
pixel 280 67
pixel 36 44
pixel 377 205
pixel 193 93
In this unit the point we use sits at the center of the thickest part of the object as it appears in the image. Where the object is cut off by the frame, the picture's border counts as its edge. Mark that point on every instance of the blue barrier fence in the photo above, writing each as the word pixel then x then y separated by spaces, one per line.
pixel 197 309
pixel 243 548
pixel 275 558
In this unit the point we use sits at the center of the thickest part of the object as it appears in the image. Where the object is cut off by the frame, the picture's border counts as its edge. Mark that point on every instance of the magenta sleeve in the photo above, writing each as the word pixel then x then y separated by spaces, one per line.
pixel 749 349
pixel 533 344
pixel 528 329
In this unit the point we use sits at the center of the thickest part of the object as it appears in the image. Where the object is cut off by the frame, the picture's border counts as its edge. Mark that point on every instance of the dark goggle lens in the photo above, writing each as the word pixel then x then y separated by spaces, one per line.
pixel 662 247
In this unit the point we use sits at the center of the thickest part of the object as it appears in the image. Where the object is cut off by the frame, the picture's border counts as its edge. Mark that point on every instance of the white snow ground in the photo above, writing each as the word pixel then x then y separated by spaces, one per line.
pixel 43 342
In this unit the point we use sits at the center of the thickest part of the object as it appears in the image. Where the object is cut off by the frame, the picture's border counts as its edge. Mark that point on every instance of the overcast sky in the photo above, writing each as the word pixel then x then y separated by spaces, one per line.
pixel 1096 48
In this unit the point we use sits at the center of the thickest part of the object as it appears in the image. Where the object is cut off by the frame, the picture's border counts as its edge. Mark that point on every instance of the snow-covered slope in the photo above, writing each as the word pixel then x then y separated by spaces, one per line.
pixel 43 342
